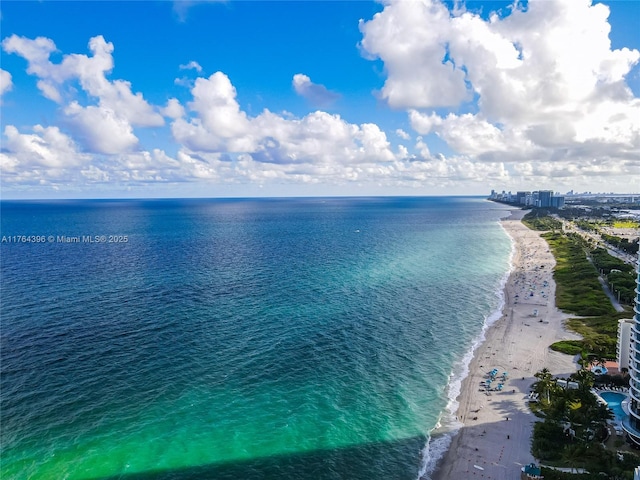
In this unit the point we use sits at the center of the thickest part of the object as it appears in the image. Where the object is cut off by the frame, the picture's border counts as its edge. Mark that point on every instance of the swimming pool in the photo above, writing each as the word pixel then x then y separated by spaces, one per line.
pixel 614 401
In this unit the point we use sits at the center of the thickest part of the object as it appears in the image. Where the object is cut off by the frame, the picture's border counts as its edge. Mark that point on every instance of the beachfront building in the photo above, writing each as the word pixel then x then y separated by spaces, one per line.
pixel 631 424
pixel 623 346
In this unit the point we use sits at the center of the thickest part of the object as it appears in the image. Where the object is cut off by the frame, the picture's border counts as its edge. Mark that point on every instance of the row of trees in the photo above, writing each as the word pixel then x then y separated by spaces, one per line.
pixel 630 247
pixel 620 275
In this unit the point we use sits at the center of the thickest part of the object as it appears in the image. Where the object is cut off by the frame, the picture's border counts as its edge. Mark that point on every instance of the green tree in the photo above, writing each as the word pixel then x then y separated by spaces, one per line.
pixel 585 379
pixel 545 385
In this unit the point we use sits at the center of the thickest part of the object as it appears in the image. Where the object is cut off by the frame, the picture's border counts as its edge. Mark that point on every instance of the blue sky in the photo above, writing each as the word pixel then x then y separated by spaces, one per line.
pixel 155 99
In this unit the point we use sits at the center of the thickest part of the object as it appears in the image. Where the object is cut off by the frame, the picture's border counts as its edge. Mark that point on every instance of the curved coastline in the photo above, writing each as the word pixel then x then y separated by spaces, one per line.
pixel 492 430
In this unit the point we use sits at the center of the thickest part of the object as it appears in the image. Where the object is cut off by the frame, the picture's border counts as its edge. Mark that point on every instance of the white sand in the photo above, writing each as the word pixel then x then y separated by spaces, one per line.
pixel 517 343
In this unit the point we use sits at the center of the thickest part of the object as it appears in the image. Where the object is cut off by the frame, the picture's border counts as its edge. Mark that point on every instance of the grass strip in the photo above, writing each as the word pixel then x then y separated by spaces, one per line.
pixel 578 290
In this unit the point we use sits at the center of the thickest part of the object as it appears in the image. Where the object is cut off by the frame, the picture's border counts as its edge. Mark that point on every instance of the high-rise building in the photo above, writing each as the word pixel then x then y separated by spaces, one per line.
pixel 631 424
pixel 623 346
pixel 557 201
pixel 544 197
pixel 521 197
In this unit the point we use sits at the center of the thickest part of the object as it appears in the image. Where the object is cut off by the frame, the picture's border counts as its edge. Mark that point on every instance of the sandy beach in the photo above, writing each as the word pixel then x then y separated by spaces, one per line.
pixel 494 442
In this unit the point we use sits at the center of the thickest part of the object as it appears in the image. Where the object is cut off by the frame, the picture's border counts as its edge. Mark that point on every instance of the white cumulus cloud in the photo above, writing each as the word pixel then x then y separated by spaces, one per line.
pixel 549 87
pixel 218 124
pixel 45 156
pixel 118 109
pixel 411 39
pixel 101 129
pixel 173 109
pixel 46 147
pixel 319 148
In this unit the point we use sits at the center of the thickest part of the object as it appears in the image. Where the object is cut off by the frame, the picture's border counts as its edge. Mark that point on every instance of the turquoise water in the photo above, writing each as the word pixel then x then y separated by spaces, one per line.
pixel 227 339
pixel 614 402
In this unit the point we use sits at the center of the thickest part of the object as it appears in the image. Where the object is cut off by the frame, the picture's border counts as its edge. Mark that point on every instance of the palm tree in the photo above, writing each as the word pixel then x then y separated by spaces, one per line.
pixel 585 379
pixel 545 384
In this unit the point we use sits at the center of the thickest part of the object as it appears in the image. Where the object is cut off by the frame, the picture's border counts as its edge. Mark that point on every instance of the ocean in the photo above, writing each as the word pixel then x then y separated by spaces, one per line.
pixel 308 338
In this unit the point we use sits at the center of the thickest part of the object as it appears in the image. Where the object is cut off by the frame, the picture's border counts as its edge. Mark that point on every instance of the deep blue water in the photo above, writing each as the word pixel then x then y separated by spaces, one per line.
pixel 244 338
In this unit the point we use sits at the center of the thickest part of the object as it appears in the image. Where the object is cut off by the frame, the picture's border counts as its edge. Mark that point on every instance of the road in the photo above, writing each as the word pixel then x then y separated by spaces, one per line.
pixel 614 252
pixel 614 300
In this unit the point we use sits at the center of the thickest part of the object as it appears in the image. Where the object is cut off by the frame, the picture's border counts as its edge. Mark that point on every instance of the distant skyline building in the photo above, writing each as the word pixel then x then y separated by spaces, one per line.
pixel 544 198
pixel 631 424
pixel 539 198
pixel 557 201
pixel 521 197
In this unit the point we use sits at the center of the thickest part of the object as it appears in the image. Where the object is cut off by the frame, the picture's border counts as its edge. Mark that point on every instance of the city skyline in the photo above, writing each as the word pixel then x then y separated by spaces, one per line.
pixel 211 99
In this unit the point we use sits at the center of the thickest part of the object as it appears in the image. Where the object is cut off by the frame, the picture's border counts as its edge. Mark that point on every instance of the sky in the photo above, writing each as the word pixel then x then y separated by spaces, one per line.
pixel 148 99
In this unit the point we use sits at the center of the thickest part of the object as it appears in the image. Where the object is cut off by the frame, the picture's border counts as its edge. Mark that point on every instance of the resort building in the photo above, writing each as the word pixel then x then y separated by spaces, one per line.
pixel 631 424
pixel 623 347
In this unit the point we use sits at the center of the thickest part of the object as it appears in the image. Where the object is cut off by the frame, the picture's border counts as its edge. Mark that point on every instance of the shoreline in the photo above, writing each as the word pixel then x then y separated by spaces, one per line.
pixel 494 438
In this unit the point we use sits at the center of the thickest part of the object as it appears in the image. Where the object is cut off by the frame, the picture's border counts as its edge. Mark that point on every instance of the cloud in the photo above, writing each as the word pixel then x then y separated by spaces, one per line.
pixel 5 82
pixel 36 52
pixel 411 39
pixel 319 148
pixel 101 129
pixel 49 157
pixel 118 109
pixel 173 109
pixel 46 147
pixel 549 88
pixel 422 148
pixel 192 65
pixel 402 134
pixel 467 134
pixel 518 110
pixel 214 100
pixel 43 156
pixel 183 82
pixel 316 94
pixel 218 124
pixel 220 143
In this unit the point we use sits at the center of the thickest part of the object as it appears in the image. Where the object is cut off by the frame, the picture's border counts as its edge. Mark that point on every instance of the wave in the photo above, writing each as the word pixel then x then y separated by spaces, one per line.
pixel 440 437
